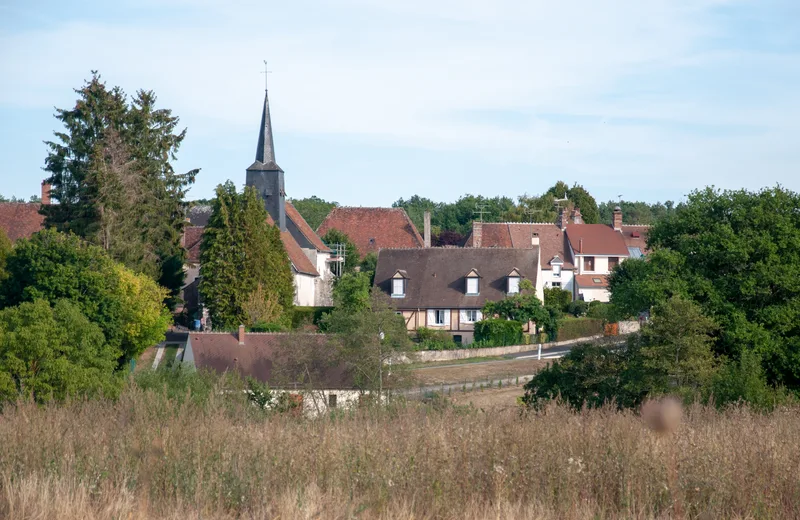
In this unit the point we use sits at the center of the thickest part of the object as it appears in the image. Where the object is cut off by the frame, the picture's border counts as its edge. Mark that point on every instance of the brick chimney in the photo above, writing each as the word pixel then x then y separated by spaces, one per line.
pixel 241 334
pixel 477 233
pixel 563 220
pixel 46 193
pixel 576 216
pixel 617 219
pixel 427 228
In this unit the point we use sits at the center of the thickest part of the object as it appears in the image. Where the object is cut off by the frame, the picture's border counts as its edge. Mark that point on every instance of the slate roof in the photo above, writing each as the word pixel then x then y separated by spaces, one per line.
pixel 597 239
pixel 260 357
pixel 589 281
pixel 192 238
pixel 552 241
pixel 198 215
pixel 20 219
pixel 436 276
pixel 372 229
pixel 298 220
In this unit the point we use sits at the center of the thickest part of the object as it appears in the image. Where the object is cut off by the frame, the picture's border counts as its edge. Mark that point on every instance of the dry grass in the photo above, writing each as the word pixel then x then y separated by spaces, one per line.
pixel 493 370
pixel 148 457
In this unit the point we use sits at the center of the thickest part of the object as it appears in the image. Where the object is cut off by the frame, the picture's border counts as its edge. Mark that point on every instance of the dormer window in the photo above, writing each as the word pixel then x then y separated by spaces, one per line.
pixel 473 280
pixel 399 283
pixel 556 263
pixel 513 281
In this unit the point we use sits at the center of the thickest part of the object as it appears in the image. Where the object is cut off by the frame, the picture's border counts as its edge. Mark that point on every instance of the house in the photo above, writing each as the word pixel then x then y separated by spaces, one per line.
pixel 321 385
pixel 22 219
pixel 371 229
pixel 309 256
pixel 446 288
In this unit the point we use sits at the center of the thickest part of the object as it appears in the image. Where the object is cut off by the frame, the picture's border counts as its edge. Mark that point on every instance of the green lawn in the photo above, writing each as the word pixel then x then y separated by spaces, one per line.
pixel 168 358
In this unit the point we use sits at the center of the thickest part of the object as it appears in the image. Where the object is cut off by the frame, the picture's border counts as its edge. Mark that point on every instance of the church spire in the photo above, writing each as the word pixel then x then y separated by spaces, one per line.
pixel 265 151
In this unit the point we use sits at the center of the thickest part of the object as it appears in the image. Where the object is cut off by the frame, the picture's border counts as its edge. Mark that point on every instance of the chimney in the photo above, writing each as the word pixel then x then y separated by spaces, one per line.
pixel 45 193
pixel 427 226
pixel 580 246
pixel 241 334
pixel 535 239
pixel 617 219
pixel 477 233
pixel 576 216
pixel 562 219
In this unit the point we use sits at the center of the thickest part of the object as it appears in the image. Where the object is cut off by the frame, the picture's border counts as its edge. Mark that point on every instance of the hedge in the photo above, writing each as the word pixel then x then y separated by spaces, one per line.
pixel 498 333
pixel 579 328
pixel 308 315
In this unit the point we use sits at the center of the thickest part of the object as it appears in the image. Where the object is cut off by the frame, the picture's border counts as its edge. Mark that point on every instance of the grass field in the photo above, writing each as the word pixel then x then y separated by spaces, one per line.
pixel 493 370
pixel 215 456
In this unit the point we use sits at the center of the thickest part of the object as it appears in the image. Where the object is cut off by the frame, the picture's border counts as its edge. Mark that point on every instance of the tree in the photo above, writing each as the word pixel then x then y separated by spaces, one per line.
pixel 368 266
pixel 262 308
pixel 636 285
pixel 351 292
pixel 125 305
pixel 54 353
pixel 241 251
pixel 110 172
pixel 579 198
pixel 5 250
pixel 368 340
pixel 524 307
pixel 314 209
pixel 351 258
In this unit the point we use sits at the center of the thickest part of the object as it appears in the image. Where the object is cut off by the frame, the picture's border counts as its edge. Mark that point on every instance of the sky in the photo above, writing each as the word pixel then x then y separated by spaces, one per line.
pixel 372 101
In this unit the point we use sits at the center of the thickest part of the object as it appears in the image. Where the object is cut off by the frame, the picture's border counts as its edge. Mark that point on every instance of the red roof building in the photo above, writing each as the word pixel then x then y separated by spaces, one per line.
pixel 20 219
pixel 372 229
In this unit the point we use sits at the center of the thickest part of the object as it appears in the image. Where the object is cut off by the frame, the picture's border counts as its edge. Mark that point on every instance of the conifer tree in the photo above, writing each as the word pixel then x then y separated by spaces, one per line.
pixel 241 254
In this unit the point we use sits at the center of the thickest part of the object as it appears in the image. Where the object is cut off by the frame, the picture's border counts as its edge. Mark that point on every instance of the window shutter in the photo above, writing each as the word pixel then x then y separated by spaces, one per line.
pixel 431 317
pixel 478 316
pixel 447 318
pixel 462 316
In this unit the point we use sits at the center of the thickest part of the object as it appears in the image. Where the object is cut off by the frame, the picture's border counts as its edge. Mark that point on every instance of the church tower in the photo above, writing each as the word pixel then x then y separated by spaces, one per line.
pixel 265 174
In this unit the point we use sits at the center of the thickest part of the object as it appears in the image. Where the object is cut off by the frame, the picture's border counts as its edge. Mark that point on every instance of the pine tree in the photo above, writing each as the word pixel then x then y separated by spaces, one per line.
pixel 241 251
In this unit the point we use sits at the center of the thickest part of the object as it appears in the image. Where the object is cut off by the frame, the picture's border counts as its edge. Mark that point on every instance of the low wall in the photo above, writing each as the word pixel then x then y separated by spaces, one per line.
pixel 427 356
pixel 629 327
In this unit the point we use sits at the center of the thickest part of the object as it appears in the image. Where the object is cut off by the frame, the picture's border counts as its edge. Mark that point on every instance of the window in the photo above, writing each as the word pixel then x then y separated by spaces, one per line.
pixel 398 287
pixel 458 339
pixel 556 284
pixel 473 285
pixel 556 270
pixel 438 317
pixel 613 261
pixel 597 280
pixel 471 315
pixel 331 400
pixel 588 263
pixel 513 284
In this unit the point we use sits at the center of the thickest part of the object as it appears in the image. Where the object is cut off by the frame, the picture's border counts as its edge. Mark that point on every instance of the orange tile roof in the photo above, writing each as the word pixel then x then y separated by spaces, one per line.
pixel 552 241
pixel 636 236
pixel 20 219
pixel 372 229
pixel 295 216
pixel 588 281
pixel 596 239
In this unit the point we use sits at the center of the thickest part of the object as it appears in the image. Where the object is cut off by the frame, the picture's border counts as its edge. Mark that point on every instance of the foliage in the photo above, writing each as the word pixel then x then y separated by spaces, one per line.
pixel 524 307
pixel 744 380
pixel 601 311
pixel 54 353
pixel 578 198
pixel 434 339
pixel 111 175
pixel 180 384
pixel 498 332
pixel 351 292
pixel 239 253
pixel 557 297
pixel 53 266
pixel 457 216
pixel 259 393
pixel 368 266
pixel 368 339
pixel 735 254
pixel 314 209
pixel 5 250
pixel 589 375
pixel 351 257
pixel 261 307
pixel 578 308
pixel 575 328
pixel 447 237
pixel 640 213
pixel 302 316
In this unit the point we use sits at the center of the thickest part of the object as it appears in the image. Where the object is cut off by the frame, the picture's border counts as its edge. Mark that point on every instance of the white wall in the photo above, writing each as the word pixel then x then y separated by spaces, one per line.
pixel 600 294
pixel 566 279
pixel 304 292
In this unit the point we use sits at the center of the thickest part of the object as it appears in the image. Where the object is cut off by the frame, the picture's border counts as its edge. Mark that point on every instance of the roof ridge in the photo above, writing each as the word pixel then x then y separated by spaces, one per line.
pixel 366 207
pixel 415 231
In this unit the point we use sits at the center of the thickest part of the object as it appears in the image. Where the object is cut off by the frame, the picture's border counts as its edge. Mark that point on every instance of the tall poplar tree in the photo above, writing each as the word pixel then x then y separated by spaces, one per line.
pixel 241 251
pixel 111 175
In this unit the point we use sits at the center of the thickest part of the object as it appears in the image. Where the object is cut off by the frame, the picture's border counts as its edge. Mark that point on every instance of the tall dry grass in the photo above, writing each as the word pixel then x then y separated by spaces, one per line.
pixel 149 456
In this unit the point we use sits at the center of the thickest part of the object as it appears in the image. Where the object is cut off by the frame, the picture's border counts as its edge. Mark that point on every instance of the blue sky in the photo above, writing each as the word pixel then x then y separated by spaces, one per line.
pixel 375 100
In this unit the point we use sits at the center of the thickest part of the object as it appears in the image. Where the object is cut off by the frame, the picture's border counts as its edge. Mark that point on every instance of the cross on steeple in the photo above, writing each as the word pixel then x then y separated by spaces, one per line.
pixel 265 73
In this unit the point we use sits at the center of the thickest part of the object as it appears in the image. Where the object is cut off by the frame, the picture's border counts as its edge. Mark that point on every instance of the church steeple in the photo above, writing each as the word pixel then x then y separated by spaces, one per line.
pixel 265 174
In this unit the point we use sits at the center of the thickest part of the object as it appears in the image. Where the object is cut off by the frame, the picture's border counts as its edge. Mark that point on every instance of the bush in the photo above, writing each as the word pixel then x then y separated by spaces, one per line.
pixel 308 316
pixel 498 333
pixel 557 297
pixel 600 311
pixel 267 327
pixel 433 339
pixel 578 308
pixel 579 328
pixel 744 380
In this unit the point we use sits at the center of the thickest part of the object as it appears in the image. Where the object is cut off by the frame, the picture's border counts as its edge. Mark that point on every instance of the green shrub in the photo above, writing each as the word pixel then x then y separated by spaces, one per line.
pixel 600 311
pixel 267 327
pixel 498 333
pixel 434 339
pixel 557 297
pixel 578 308
pixel 579 328
pixel 308 316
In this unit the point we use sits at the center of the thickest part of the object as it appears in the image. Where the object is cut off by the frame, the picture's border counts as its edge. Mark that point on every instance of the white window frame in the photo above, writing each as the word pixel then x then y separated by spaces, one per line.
pixel 556 270
pixel 476 281
pixel 553 284
pixel 436 315
pixel 471 319
pixel 513 283
pixel 402 282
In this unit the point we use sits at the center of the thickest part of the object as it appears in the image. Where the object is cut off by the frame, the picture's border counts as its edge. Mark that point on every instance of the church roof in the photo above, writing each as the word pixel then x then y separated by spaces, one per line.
pixel 302 226
pixel 265 150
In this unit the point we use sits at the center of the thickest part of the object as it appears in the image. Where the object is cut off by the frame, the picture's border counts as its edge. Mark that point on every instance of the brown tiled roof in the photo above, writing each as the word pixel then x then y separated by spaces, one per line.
pixel 260 357
pixel 436 276
pixel 552 241
pixel 372 229
pixel 192 238
pixel 596 239
pixel 20 219
pixel 588 281
pixel 295 216
pixel 636 236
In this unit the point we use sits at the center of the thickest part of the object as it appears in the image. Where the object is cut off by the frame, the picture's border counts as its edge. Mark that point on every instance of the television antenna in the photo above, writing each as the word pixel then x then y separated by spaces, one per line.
pixel 557 202
pixel 480 210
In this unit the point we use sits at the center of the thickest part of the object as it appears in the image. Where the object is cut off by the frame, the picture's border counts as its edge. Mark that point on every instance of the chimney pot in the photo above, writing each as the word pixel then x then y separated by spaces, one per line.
pixel 241 334
pixel 46 193
pixel 427 228
pixel 617 219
